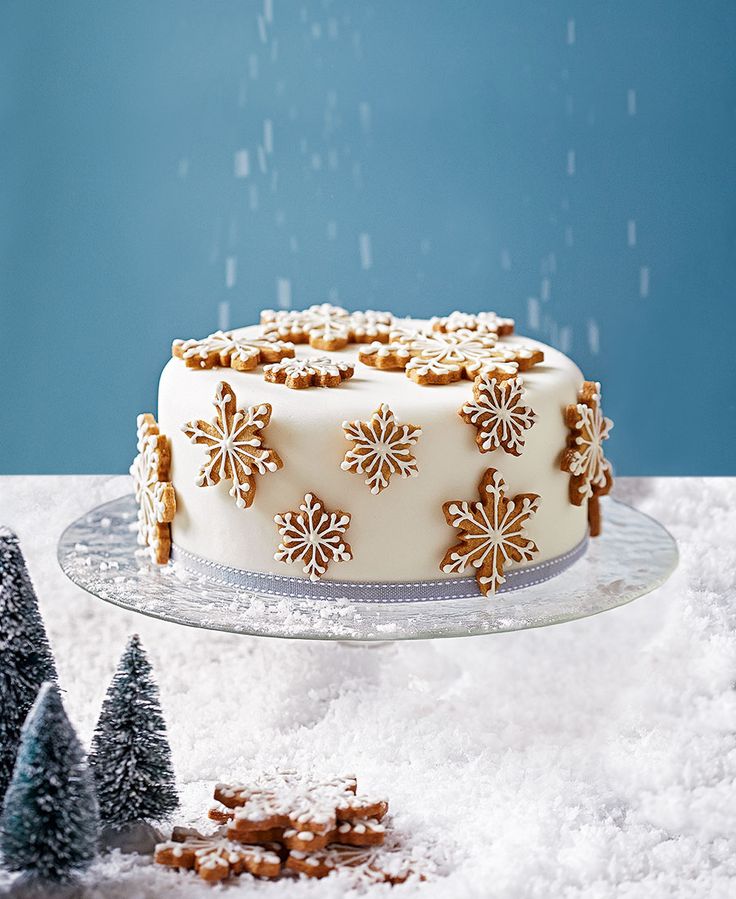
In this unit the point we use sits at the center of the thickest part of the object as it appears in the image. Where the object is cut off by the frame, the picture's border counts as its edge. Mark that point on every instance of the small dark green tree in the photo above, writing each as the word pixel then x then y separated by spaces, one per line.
pixel 130 755
pixel 49 824
pixel 25 657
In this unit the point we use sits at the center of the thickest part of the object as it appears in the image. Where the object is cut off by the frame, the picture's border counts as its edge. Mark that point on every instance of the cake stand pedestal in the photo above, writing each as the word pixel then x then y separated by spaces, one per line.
pixel 632 557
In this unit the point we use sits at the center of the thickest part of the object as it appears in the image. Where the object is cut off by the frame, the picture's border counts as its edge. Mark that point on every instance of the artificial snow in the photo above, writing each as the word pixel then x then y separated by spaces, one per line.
pixel 591 759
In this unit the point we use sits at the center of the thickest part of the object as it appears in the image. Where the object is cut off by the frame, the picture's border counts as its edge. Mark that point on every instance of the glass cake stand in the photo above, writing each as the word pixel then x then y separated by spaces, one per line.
pixel 99 553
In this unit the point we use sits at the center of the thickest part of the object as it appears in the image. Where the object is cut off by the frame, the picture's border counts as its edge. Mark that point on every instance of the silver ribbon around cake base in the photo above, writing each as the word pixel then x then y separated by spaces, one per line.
pixel 370 591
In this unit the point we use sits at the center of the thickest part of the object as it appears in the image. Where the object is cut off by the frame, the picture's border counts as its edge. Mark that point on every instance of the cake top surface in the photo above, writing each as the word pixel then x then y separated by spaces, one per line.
pixel 399 366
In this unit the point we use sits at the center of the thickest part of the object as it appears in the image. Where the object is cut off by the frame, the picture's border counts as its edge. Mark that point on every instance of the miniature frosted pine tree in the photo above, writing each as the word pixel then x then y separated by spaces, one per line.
pixel 25 657
pixel 130 756
pixel 49 825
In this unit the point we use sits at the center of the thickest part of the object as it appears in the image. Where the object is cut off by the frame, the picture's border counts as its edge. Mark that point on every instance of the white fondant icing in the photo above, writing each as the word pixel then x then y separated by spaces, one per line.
pixel 401 534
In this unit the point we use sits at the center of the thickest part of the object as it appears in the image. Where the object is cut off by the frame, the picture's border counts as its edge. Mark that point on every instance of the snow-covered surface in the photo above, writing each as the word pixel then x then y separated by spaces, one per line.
pixel 594 759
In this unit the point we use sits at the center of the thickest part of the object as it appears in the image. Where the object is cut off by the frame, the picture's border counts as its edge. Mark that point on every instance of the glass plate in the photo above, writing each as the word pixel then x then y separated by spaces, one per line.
pixel 633 556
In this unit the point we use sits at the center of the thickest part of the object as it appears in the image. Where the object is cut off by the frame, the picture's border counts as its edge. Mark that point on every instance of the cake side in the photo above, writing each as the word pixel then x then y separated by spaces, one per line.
pixel 400 533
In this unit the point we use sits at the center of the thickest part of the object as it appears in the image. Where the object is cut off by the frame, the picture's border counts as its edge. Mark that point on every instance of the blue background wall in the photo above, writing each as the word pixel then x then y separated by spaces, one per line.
pixel 570 164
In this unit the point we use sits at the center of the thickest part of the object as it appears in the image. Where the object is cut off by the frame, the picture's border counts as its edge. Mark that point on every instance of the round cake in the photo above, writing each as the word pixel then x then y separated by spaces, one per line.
pixel 329 453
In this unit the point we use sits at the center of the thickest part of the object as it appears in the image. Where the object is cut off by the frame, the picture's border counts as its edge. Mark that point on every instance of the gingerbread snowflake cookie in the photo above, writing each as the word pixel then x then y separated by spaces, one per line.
pixel 305 825
pixel 216 857
pixel 443 358
pixel 482 322
pixel 590 472
pixel 313 536
pixel 363 832
pixel 302 812
pixel 381 448
pixel 316 371
pixel 363 866
pixel 326 327
pixel 492 532
pixel 499 413
pixel 154 493
pixel 234 445
pixel 228 350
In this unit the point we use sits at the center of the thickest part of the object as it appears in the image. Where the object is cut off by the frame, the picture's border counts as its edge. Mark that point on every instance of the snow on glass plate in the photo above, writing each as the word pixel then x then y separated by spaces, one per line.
pixel 633 556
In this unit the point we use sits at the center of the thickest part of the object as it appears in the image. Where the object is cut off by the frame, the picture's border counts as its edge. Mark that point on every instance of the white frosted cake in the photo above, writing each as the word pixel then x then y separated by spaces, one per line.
pixel 369 485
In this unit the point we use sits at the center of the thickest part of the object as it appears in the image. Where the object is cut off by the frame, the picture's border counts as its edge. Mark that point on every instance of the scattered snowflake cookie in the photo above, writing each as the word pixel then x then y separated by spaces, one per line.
pixel 429 358
pixel 366 866
pixel 365 832
pixel 301 811
pixel 313 536
pixel 234 441
pixel 381 448
pixel 491 532
pixel 439 358
pixel 215 857
pixel 499 414
pixel 590 472
pixel 482 322
pixel 523 354
pixel 223 348
pixel 389 356
pixel 316 371
pixel 326 327
pixel 154 493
